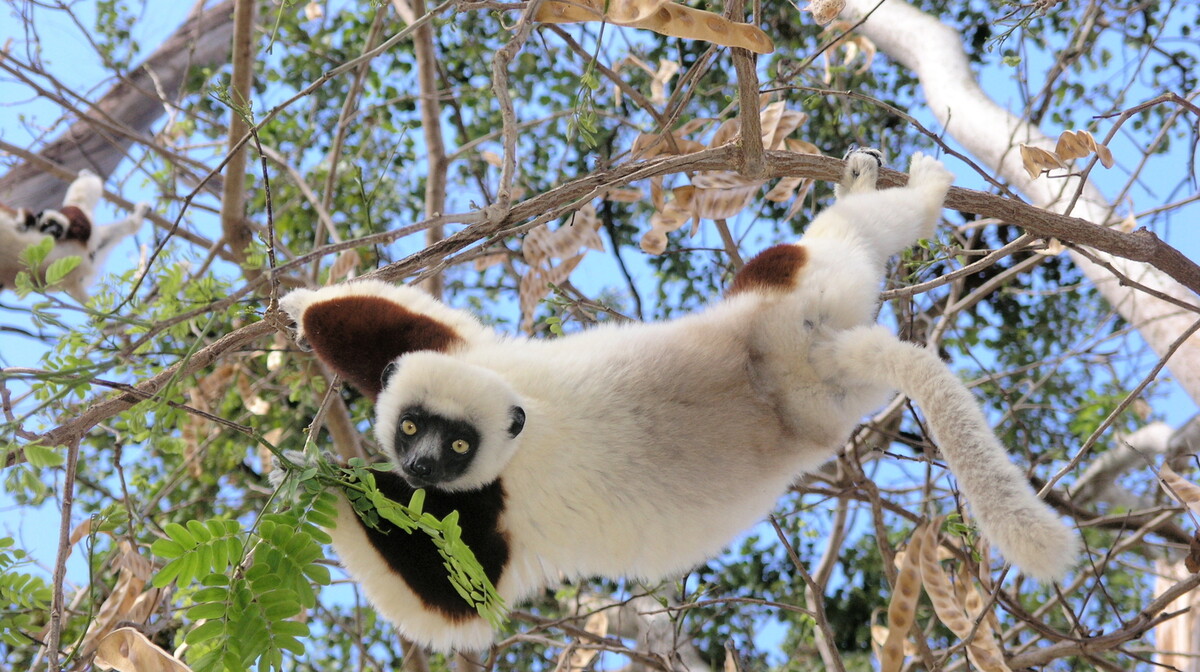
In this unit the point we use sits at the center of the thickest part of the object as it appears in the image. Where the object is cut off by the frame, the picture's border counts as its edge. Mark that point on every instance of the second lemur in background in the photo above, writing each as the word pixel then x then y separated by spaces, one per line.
pixel 74 232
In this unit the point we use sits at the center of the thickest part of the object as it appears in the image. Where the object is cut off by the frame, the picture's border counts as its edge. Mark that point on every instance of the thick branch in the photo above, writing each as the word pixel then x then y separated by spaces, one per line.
pixel 552 204
pixel 234 227
pixel 77 426
pixel 431 124
pixel 934 52
pixel 203 40
pixel 1141 245
pixel 569 196
pixel 753 164
pixel 1134 628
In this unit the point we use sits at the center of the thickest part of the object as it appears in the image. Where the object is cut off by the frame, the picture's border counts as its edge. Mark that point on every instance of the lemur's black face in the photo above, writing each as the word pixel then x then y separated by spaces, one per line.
pixel 431 448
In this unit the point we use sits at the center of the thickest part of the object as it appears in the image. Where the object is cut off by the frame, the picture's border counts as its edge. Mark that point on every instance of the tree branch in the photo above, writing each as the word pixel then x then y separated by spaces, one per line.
pixel 203 40
pixel 1134 628
pixel 935 53
pixel 570 196
pixel 431 124
pixel 234 227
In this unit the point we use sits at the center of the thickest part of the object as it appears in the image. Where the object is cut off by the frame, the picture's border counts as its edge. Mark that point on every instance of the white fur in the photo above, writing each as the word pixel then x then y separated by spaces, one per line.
pixel 647 447
pixel 861 171
pixel 84 193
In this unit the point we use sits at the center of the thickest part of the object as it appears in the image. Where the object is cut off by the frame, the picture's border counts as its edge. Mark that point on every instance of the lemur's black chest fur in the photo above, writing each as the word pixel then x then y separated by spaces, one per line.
pixel 416 559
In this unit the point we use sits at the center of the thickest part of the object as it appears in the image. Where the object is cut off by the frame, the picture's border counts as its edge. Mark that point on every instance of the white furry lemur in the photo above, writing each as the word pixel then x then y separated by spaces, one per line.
pixel 640 450
pixel 73 231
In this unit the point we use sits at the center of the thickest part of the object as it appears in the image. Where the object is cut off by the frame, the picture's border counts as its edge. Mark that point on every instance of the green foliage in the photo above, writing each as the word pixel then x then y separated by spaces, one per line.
pixel 33 257
pixel 24 597
pixel 41 457
pixel 197 550
pixel 114 23
pixel 60 268
pixel 585 122
pixel 246 588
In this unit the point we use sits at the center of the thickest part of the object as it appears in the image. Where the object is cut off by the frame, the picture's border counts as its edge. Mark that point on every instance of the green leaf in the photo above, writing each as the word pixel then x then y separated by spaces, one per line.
pixel 60 268
pixel 199 532
pixel 167 574
pixel 34 255
pixel 211 594
pixel 417 502
pixel 204 632
pixel 189 568
pixel 319 574
pixel 320 518
pixel 281 610
pixel 215 580
pixel 180 534
pixel 206 610
pixel 42 457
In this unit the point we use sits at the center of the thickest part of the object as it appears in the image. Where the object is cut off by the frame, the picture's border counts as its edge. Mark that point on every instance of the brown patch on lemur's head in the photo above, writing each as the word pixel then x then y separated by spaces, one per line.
pixel 79 225
pixel 358 336
pixel 773 269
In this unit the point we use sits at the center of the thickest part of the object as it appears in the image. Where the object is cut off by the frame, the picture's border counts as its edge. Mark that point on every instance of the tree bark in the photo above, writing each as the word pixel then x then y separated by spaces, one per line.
pixel 935 53
pixel 234 227
pixel 134 104
pixel 431 124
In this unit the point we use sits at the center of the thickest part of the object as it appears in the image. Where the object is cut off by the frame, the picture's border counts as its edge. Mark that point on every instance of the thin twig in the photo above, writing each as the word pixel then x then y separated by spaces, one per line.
pixel 824 634
pixel 64 550
pixel 1120 408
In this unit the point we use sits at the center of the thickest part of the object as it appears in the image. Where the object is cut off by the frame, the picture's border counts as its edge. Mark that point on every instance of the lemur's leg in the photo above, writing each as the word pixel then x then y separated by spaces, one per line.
pixel 882 223
pixel 1026 530
pixel 85 192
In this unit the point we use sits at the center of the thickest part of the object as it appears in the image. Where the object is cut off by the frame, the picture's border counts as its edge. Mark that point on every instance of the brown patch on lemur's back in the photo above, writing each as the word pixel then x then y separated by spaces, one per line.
pixel 79 226
pixel 360 335
pixel 773 269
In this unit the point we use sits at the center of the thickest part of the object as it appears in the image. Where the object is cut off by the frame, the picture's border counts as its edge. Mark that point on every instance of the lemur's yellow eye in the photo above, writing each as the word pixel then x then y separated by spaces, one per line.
pixel 408 427
pixel 460 446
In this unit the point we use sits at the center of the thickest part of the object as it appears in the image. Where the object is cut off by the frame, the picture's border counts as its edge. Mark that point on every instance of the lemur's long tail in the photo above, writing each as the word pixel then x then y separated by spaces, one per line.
pixel 1009 513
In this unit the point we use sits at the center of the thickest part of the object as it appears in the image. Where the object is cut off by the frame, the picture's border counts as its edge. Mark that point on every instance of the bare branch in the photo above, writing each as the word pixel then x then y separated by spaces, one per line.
pixel 431 124
pixel 234 227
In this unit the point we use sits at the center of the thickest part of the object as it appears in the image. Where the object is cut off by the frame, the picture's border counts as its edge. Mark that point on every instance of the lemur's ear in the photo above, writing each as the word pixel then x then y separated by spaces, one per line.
pixel 359 328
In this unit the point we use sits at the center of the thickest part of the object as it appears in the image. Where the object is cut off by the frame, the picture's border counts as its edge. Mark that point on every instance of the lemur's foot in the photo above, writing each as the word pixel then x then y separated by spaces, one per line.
pixel 861 171
pixel 866 152
pixel 927 172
